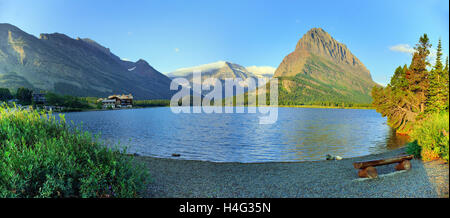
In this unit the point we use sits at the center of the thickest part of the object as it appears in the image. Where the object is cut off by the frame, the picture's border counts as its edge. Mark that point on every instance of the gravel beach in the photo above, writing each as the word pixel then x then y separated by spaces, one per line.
pixel 173 178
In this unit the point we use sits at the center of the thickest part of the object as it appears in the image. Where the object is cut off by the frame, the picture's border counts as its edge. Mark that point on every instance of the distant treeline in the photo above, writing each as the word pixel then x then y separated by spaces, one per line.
pixel 23 95
pixel 151 103
pixel 67 101
pixel 285 100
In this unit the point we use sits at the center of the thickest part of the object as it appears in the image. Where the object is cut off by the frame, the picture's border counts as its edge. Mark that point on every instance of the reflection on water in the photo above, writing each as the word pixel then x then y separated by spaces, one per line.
pixel 299 134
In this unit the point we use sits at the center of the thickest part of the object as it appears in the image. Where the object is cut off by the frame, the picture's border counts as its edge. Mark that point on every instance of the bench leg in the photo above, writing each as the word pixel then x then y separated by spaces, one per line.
pixel 404 165
pixel 368 172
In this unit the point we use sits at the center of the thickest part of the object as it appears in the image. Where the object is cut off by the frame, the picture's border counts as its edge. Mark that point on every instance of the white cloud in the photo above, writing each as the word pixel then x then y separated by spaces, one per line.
pixel 404 48
pixel 177 50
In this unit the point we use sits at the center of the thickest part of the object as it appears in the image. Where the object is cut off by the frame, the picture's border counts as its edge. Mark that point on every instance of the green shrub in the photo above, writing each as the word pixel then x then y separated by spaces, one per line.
pixel 432 136
pixel 414 149
pixel 41 157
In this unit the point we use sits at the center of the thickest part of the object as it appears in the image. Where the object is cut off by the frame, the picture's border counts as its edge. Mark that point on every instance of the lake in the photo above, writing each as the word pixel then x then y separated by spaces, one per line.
pixel 300 134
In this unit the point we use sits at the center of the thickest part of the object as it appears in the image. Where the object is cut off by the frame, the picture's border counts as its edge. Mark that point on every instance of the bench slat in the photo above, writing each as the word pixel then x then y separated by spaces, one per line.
pixel 373 163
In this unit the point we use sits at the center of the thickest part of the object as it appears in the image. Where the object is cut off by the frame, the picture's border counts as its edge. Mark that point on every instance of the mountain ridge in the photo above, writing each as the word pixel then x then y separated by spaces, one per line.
pixel 81 67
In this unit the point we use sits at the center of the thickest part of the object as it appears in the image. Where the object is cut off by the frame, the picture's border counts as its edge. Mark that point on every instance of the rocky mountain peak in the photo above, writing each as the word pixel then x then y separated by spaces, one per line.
pixel 142 62
pixel 317 42
pixel 320 59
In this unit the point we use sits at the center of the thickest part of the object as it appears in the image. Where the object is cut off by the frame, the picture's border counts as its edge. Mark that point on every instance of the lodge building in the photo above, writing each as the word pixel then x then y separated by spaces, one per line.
pixel 117 101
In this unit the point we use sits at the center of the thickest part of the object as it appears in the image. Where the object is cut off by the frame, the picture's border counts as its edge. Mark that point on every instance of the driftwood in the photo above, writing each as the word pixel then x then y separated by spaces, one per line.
pixel 367 168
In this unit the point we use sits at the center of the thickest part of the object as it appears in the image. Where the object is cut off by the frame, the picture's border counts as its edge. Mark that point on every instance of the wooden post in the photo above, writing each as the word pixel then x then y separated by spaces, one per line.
pixel 368 172
pixel 404 165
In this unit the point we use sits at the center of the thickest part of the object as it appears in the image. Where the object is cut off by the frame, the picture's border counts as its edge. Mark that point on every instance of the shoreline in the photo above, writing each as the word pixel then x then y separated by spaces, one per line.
pixel 286 106
pixel 323 178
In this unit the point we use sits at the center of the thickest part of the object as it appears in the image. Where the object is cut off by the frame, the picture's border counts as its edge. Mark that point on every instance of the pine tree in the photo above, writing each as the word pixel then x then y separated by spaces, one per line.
pixel 436 90
pixel 446 64
pixel 417 73
pixel 446 84
pixel 398 80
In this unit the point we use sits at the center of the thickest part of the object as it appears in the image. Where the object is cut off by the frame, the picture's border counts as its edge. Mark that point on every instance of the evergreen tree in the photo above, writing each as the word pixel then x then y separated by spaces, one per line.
pixel 24 95
pixel 398 80
pixel 5 94
pixel 446 64
pixel 417 73
pixel 446 84
pixel 436 90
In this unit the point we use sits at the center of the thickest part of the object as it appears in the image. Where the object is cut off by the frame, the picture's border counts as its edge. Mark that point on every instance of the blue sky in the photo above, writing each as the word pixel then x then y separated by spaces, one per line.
pixel 173 34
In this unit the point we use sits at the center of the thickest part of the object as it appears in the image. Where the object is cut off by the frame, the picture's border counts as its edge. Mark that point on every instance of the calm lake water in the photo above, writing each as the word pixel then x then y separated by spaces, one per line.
pixel 300 134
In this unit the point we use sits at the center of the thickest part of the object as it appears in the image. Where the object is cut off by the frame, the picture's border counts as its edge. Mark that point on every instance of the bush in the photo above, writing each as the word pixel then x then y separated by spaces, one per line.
pixel 432 136
pixel 41 157
pixel 414 149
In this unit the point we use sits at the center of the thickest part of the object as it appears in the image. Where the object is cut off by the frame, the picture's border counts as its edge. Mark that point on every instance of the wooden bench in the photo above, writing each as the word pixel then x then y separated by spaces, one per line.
pixel 367 168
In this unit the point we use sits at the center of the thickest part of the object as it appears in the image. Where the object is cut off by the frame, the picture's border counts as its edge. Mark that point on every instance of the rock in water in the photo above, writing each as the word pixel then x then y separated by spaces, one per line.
pixel 329 157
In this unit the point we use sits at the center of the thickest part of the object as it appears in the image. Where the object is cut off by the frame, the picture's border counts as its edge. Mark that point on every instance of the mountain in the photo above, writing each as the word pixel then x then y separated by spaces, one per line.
pixel 262 71
pixel 219 70
pixel 79 67
pixel 321 70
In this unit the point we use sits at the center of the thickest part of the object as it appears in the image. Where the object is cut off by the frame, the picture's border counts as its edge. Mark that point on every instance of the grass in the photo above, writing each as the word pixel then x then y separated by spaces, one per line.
pixel 41 157
pixel 431 137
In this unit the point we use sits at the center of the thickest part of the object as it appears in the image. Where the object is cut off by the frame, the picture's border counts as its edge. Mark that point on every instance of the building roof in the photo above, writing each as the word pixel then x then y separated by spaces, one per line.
pixel 121 97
